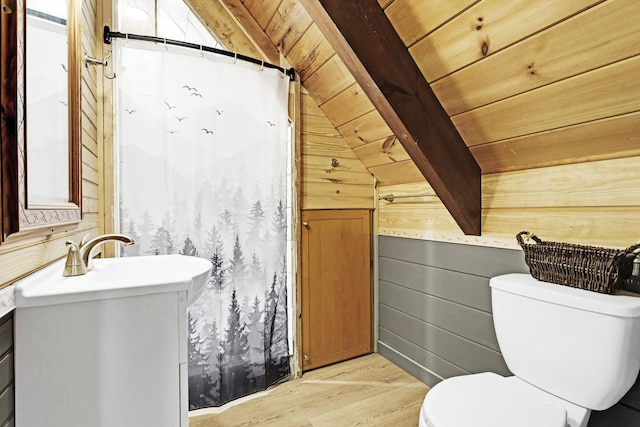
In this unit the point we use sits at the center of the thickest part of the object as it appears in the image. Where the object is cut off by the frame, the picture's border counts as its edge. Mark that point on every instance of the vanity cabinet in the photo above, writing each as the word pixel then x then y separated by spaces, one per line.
pixel 110 356
pixel 115 362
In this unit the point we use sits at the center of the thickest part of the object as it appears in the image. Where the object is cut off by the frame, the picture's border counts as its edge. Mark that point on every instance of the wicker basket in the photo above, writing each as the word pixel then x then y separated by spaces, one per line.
pixel 586 267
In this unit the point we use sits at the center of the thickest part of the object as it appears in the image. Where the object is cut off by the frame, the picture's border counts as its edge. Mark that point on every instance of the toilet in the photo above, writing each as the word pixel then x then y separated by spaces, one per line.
pixel 571 351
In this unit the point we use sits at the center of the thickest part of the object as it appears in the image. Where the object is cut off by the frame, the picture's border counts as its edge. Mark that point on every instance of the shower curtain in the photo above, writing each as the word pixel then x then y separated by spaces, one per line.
pixel 202 146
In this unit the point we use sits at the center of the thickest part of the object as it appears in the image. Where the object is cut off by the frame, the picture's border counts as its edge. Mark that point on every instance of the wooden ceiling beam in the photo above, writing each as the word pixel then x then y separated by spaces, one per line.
pixel 367 43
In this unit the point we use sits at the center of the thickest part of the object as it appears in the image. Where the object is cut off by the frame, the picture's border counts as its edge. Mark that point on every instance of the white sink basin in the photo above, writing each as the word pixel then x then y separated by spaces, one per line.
pixel 115 278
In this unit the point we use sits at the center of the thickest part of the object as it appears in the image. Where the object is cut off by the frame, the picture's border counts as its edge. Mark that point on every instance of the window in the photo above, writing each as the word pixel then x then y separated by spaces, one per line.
pixel 172 19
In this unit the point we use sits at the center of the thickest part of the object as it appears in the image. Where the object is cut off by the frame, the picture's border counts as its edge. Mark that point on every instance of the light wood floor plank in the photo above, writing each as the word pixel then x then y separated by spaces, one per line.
pixel 367 391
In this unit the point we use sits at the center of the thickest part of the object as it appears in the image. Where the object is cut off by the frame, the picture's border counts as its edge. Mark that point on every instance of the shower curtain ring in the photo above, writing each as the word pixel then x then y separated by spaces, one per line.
pixel 201 52
pixel 165 43
pixel 262 66
pixel 235 57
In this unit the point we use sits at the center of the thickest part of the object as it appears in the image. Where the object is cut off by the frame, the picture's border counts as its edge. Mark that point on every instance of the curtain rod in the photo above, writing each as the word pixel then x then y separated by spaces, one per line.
pixel 108 35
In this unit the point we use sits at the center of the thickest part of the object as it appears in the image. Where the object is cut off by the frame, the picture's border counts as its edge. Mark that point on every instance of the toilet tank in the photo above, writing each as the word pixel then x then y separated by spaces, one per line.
pixel 579 345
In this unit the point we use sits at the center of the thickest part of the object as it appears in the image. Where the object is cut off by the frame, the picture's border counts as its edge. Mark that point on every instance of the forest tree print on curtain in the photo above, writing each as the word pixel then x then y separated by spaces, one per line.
pixel 202 156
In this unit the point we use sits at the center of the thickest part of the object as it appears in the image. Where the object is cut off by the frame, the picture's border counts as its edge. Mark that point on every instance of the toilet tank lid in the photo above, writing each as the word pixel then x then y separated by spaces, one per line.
pixel 621 304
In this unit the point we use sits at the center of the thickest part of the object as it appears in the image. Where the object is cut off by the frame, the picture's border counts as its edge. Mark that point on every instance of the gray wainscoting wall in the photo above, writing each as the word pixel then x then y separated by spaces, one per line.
pixel 435 313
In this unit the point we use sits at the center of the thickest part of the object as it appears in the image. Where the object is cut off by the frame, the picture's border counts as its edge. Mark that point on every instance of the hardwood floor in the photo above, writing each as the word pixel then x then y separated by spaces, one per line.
pixel 367 391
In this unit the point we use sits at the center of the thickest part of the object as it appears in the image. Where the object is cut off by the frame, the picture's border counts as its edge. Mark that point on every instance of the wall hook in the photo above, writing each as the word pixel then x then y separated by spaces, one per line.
pixel 89 60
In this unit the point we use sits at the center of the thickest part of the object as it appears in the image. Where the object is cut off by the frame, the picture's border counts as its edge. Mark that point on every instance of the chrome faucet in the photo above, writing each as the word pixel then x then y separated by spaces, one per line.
pixel 79 259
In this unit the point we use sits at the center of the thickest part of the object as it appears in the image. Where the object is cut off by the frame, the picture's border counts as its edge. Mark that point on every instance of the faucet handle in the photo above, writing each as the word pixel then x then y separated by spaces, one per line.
pixel 74 265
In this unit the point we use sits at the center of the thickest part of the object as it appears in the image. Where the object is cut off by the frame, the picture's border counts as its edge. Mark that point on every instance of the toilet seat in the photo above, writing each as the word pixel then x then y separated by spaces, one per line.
pixel 489 400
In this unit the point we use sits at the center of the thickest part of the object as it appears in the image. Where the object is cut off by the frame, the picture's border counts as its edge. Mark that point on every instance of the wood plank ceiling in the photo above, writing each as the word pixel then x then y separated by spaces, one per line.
pixel 371 49
pixel 527 84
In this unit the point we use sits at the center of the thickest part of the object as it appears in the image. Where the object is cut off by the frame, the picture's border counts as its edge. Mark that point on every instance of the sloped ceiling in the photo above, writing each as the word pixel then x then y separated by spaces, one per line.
pixel 370 47
pixel 526 83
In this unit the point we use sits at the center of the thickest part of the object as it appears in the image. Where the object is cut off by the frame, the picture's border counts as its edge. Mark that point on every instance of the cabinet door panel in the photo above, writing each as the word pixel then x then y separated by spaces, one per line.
pixel 336 286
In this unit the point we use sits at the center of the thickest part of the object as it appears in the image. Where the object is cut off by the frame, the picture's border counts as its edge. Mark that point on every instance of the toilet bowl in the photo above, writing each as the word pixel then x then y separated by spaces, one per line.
pixel 560 344
pixel 490 400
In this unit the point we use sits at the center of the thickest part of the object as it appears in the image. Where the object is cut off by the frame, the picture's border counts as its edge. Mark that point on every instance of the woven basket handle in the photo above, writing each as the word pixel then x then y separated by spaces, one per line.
pixel 624 254
pixel 529 235
pixel 633 249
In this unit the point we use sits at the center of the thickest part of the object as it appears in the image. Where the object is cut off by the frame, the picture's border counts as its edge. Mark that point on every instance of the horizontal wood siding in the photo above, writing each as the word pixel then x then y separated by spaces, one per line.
pixel 435 313
pixel 532 74
pixel 485 28
pixel 549 60
pixel 582 101
pixel 348 184
pixel 529 74
pixel 415 18
pixel 595 203
pixel 435 305
pixel 21 257
pixel 215 14
pixel 453 317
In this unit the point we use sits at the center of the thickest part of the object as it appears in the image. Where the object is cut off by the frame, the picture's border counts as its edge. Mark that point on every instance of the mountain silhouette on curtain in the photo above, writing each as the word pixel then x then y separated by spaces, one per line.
pixel 202 171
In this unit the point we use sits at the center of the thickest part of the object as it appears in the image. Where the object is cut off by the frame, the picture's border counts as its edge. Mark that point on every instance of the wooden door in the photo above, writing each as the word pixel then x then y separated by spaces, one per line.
pixel 336 286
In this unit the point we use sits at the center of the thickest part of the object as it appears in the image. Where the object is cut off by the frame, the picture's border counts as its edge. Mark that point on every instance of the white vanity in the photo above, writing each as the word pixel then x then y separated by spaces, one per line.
pixel 108 348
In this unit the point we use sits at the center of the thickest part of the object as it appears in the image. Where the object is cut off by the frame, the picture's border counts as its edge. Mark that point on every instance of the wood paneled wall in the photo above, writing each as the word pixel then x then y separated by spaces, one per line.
pixel 594 203
pixel 435 306
pixel 325 183
pixel 530 74
pixel 543 93
pixel 21 257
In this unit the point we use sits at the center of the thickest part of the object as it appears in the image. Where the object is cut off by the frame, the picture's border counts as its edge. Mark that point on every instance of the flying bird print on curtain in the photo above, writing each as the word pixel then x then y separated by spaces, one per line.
pixel 202 171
